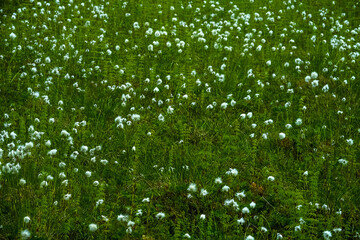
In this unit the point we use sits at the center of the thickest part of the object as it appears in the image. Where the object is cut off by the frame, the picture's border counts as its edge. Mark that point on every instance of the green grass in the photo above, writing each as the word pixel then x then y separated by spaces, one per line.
pixel 100 71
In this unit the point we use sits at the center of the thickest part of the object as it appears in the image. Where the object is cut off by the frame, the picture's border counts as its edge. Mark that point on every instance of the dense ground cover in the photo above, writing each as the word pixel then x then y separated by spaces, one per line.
pixel 179 119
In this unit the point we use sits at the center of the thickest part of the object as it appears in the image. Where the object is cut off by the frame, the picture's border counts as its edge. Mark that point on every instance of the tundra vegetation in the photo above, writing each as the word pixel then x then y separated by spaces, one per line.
pixel 170 119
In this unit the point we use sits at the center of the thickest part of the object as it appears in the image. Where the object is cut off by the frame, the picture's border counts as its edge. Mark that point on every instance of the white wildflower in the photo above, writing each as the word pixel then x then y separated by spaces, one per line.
pixel 186 235
pixel 240 195
pixel 327 235
pixel 232 171
pixel 245 210
pixel 315 83
pixel 224 105
pixel 298 121
pixel 204 192
pixel 93 227
pixel 161 118
pixel 22 181
pixel 44 184
pixel 99 202
pixel 241 221
pixel 160 215
pixel 12 35
pixel 52 152
pixel 314 75
pixel 325 88
pixel 192 187
pixel 48 143
pixel 342 161
pixel 67 196
pixel 282 136
pixel 123 218
pixel 25 234
pixel 350 141
pixel 218 180
pixel 26 219
pixel 249 238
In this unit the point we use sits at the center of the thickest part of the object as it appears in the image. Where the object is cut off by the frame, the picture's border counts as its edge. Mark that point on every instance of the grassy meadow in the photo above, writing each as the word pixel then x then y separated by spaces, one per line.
pixel 177 119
